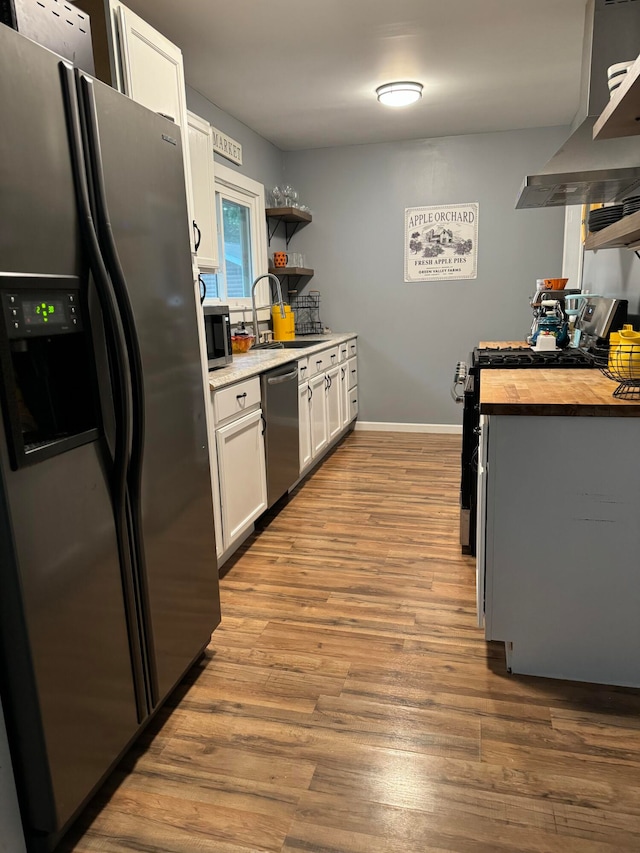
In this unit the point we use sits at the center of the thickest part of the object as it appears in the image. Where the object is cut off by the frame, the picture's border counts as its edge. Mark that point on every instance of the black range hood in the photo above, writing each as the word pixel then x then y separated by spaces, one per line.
pixel 585 171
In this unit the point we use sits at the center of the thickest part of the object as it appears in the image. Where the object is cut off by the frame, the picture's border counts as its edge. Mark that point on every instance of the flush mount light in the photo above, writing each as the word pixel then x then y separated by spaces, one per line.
pixel 399 94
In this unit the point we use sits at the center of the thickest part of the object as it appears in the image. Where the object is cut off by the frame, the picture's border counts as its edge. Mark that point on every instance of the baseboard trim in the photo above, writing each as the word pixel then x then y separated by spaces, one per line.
pixel 376 426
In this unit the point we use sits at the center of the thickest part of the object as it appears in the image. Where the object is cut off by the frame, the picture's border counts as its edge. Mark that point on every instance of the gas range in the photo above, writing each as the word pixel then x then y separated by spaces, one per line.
pixel 514 357
pixel 469 376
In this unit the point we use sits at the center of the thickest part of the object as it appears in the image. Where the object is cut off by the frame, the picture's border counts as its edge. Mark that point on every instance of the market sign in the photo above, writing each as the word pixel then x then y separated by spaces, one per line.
pixel 226 146
pixel 441 242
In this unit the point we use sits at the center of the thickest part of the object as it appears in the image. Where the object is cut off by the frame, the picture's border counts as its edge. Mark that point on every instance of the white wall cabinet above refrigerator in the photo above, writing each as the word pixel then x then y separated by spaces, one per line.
pixel 144 65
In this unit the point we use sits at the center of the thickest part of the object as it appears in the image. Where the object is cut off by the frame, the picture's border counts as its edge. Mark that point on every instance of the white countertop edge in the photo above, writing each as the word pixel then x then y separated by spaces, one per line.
pixel 255 362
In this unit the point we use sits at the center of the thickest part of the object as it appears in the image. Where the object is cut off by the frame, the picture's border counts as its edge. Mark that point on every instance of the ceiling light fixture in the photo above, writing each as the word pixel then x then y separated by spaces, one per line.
pixel 399 94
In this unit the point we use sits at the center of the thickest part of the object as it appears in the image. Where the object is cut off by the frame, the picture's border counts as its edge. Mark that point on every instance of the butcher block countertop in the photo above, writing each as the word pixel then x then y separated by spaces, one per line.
pixel 501 344
pixel 557 392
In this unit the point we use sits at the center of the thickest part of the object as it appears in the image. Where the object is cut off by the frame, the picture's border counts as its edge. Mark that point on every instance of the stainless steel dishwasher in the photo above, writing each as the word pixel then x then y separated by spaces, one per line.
pixel 280 408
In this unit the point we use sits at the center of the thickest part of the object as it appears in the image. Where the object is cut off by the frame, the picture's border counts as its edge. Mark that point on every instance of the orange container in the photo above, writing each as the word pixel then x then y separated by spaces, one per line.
pixel 555 283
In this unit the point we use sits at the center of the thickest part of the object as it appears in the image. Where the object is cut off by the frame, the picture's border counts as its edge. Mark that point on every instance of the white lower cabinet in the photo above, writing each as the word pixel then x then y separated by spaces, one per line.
pixel 304 423
pixel 349 391
pixel 327 404
pixel 242 474
pixel 318 414
pixel 334 407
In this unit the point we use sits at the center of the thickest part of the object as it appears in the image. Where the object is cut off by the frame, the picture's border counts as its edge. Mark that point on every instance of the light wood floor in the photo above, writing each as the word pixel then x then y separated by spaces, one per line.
pixel 348 703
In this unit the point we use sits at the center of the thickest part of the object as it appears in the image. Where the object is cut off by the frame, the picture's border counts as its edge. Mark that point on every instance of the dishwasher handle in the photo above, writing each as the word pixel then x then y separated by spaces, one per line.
pixel 285 377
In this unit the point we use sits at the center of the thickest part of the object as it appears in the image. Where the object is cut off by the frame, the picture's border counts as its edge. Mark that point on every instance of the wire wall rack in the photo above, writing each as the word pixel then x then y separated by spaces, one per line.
pixel 306 312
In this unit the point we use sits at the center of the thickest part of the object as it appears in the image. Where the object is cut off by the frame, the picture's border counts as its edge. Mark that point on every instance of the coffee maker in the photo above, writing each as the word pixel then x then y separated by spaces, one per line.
pixel 549 315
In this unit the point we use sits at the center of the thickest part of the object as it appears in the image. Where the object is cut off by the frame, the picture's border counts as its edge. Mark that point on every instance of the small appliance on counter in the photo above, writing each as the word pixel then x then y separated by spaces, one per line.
pixel 217 328
pixel 549 312
pixel 599 316
pixel 549 322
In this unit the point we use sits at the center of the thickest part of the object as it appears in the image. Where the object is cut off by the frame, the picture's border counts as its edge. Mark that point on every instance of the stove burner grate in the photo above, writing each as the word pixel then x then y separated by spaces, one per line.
pixel 524 357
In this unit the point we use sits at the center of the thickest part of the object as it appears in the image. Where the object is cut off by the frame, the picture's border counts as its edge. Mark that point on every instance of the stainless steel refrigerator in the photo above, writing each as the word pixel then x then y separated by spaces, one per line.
pixel 108 577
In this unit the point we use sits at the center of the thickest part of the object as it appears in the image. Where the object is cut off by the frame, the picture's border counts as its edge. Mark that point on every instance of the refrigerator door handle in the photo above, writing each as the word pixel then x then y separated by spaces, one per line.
pixel 116 274
pixel 118 368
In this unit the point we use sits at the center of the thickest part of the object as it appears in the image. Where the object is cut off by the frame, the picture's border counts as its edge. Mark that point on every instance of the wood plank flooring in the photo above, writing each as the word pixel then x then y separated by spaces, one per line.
pixel 348 703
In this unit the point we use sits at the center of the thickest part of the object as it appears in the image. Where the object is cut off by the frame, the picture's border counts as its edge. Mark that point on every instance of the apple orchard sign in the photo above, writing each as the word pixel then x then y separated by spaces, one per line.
pixel 441 242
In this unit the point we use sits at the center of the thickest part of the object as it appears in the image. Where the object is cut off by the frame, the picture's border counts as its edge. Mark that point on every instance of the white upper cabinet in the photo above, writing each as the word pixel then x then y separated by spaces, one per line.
pixel 204 195
pixel 152 73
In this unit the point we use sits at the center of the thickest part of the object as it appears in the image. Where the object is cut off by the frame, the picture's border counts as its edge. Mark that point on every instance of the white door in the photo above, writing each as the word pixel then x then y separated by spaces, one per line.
pixel 481 522
pixel 242 472
pixel 203 190
pixel 153 75
pixel 304 422
pixel 334 415
pixel 318 414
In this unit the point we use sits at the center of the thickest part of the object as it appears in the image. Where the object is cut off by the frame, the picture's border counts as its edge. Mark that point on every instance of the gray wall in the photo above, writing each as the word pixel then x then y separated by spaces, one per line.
pixel 262 161
pixel 411 335
pixel 613 272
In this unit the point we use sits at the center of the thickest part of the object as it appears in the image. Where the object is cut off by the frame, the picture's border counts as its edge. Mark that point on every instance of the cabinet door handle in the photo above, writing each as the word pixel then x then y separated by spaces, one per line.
pixel 333 356
pixel 318 362
pixel 303 368
pixel 344 372
pixel 241 396
pixel 198 235
pixel 310 395
pixel 264 424
pixel 327 381
pixel 354 370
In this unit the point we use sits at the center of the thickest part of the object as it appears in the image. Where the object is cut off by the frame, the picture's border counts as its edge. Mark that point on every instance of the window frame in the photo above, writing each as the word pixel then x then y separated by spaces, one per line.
pixel 241 189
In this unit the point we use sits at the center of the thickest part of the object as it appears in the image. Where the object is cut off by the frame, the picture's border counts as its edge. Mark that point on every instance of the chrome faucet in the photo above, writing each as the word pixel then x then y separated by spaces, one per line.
pixel 255 310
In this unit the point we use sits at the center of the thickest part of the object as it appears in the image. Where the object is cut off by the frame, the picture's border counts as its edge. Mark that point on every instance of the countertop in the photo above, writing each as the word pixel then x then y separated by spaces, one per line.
pixel 255 362
pixel 501 344
pixel 558 392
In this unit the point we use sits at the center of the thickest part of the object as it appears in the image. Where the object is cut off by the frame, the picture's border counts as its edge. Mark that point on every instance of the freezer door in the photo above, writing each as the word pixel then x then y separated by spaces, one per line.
pixel 141 161
pixel 66 670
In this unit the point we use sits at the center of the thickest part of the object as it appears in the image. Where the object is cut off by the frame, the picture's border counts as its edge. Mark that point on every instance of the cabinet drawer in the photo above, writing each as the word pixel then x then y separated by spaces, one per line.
pixel 236 399
pixel 321 361
pixel 303 369
pixel 353 403
pixel 343 351
pixel 353 347
pixel 352 372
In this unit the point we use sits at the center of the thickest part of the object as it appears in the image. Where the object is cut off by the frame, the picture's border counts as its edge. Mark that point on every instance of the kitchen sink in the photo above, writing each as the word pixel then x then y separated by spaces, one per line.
pixel 302 344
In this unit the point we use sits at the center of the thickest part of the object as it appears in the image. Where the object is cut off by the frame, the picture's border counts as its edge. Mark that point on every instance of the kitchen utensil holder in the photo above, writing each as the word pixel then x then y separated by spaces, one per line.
pixel 621 364
pixel 306 310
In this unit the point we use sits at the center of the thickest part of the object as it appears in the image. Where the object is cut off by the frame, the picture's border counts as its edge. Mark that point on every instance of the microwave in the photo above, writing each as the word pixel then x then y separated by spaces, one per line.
pixel 217 328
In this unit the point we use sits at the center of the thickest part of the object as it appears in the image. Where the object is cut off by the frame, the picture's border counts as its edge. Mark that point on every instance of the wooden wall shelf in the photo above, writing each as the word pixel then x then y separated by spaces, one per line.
pixel 291 271
pixel 288 214
pixel 292 218
pixel 624 234
pixel 621 116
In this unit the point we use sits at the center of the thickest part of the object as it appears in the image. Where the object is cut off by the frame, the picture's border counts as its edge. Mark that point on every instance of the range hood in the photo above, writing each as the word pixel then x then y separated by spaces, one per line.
pixel 585 171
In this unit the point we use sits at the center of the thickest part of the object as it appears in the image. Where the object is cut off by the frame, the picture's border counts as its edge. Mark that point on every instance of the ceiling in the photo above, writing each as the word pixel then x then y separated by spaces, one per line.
pixel 302 73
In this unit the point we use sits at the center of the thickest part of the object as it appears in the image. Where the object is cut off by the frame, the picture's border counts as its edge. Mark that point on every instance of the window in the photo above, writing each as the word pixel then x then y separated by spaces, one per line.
pixel 241 240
